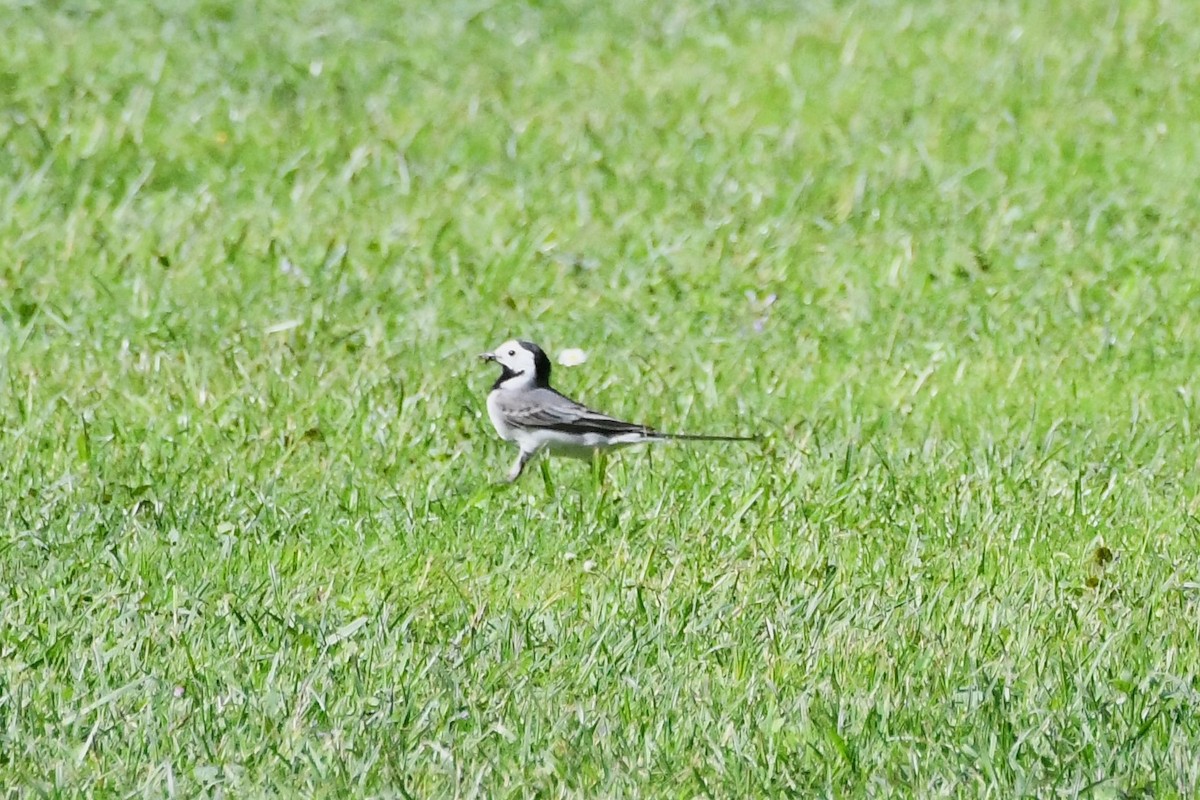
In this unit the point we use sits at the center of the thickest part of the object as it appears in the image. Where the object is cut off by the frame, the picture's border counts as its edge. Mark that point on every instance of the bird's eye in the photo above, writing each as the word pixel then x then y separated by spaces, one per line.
pixel 512 352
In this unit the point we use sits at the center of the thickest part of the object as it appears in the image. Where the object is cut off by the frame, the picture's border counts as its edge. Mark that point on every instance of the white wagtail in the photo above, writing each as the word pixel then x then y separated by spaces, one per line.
pixel 526 411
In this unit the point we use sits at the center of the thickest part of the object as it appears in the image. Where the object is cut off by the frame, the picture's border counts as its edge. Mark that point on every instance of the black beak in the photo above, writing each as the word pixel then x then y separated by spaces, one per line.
pixel 488 356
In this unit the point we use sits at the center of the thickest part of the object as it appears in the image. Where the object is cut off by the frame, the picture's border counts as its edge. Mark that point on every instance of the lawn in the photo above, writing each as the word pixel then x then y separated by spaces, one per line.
pixel 941 256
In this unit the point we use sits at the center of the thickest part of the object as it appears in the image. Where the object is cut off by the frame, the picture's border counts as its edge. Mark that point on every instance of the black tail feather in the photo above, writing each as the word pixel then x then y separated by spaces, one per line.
pixel 707 437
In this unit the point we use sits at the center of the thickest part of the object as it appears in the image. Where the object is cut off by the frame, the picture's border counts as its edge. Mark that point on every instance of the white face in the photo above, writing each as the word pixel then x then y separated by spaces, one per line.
pixel 518 363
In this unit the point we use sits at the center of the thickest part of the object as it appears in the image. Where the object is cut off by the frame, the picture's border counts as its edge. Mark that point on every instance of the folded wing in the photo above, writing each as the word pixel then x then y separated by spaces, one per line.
pixel 549 410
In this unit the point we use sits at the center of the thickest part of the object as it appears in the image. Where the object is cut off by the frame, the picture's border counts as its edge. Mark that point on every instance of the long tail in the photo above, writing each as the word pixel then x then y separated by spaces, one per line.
pixel 705 437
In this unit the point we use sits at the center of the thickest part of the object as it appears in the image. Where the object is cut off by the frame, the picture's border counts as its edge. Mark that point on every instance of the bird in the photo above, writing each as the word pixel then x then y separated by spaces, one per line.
pixel 528 412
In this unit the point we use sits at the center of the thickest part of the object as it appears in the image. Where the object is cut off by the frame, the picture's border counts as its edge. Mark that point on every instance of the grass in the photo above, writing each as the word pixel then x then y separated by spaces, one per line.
pixel 943 257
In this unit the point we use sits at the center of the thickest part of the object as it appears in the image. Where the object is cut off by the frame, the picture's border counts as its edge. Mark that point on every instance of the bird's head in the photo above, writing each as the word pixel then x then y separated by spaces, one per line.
pixel 524 364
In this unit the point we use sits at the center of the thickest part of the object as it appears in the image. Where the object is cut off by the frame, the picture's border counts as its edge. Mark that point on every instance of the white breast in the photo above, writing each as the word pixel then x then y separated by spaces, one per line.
pixel 498 422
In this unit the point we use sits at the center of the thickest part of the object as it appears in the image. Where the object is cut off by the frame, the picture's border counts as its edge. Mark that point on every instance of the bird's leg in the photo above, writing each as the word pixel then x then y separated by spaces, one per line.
pixel 599 468
pixel 519 465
